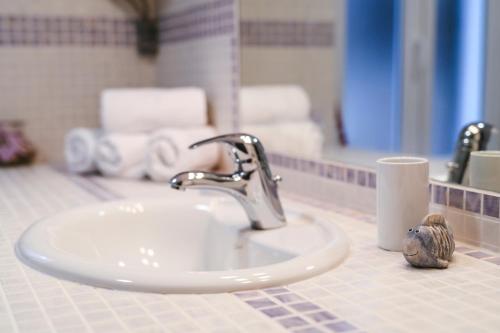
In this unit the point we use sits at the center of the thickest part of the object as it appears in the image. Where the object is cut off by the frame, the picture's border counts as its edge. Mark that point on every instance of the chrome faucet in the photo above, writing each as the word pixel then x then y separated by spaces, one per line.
pixel 251 183
pixel 473 137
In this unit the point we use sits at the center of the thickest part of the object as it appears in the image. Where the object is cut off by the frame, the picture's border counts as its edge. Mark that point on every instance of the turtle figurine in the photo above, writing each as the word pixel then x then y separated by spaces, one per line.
pixel 429 244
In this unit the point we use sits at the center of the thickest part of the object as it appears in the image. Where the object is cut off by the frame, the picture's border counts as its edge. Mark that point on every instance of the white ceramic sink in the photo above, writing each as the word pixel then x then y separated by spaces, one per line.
pixel 175 245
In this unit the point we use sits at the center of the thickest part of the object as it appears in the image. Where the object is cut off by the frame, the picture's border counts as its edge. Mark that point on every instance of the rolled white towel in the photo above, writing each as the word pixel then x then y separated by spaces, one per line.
pixel 303 138
pixel 168 152
pixel 135 110
pixel 122 155
pixel 80 149
pixel 272 104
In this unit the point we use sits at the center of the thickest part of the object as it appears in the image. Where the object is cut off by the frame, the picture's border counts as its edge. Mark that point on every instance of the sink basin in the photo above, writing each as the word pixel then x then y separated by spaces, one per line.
pixel 175 245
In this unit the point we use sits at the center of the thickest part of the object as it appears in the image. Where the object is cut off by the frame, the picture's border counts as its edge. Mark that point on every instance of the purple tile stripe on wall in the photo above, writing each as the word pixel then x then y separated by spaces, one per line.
pixel 325 170
pixel 286 33
pixel 473 202
pixel 199 21
pixel 440 195
pixel 18 31
pixel 491 206
pixel 372 180
pixel 362 178
pixel 456 198
pixel 351 176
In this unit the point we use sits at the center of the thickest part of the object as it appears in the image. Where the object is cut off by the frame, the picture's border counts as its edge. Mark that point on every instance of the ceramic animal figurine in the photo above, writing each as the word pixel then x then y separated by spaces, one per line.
pixel 429 244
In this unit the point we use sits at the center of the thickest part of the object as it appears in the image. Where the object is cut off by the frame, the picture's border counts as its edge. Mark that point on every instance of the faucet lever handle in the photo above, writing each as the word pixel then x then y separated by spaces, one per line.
pixel 240 142
pixel 233 139
pixel 246 149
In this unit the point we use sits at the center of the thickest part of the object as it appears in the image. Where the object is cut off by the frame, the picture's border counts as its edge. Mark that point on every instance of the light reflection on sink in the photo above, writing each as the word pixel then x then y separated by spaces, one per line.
pixel 171 245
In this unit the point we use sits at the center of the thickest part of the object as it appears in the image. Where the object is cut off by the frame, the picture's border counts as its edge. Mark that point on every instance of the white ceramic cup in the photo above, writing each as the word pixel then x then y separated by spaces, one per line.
pixel 484 170
pixel 402 198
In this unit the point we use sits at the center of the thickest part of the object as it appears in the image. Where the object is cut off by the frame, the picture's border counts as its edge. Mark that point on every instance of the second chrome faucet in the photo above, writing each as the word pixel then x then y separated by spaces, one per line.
pixel 251 183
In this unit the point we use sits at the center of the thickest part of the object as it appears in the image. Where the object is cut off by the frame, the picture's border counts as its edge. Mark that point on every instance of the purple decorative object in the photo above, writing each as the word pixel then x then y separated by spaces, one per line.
pixel 491 206
pixel 440 195
pixel 288 298
pixel 276 312
pixel 473 202
pixel 260 303
pixel 303 307
pixel 341 326
pixel 293 322
pixel 15 149
pixel 321 316
pixel 456 198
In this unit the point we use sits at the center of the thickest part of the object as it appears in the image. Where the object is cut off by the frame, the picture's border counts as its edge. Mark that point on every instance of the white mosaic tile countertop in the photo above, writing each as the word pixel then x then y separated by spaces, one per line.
pixel 372 291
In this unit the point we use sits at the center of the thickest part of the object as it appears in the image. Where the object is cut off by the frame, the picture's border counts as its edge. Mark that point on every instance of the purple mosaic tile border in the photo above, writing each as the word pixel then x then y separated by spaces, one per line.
pixel 328 170
pixel 200 21
pixel 18 31
pixel 466 199
pixel 293 312
pixel 459 198
pixel 287 34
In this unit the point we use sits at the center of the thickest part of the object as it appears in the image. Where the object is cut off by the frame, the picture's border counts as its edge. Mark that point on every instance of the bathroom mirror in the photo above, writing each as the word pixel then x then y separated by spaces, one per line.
pixel 380 78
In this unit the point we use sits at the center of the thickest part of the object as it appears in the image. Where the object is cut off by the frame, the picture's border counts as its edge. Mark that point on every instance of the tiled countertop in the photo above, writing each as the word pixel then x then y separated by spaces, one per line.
pixel 372 291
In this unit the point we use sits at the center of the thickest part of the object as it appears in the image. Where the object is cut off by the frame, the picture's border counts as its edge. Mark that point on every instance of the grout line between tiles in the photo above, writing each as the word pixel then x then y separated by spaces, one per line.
pixel 6 302
pixel 22 269
pixel 156 320
pixel 112 310
pixel 59 283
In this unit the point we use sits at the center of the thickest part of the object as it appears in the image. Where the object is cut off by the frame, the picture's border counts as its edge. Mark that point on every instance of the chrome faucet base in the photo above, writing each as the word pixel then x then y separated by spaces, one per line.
pixel 252 183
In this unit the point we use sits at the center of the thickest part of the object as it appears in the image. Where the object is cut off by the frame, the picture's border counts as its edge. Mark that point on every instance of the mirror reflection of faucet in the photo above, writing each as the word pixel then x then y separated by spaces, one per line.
pixel 251 183
pixel 473 137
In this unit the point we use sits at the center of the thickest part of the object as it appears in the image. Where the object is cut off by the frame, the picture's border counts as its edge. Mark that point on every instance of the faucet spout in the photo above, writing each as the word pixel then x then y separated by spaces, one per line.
pixel 200 179
pixel 251 184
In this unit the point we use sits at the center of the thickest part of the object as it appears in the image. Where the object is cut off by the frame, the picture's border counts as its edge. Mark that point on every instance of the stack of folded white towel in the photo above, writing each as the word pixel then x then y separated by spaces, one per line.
pixel 145 131
pixel 280 116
